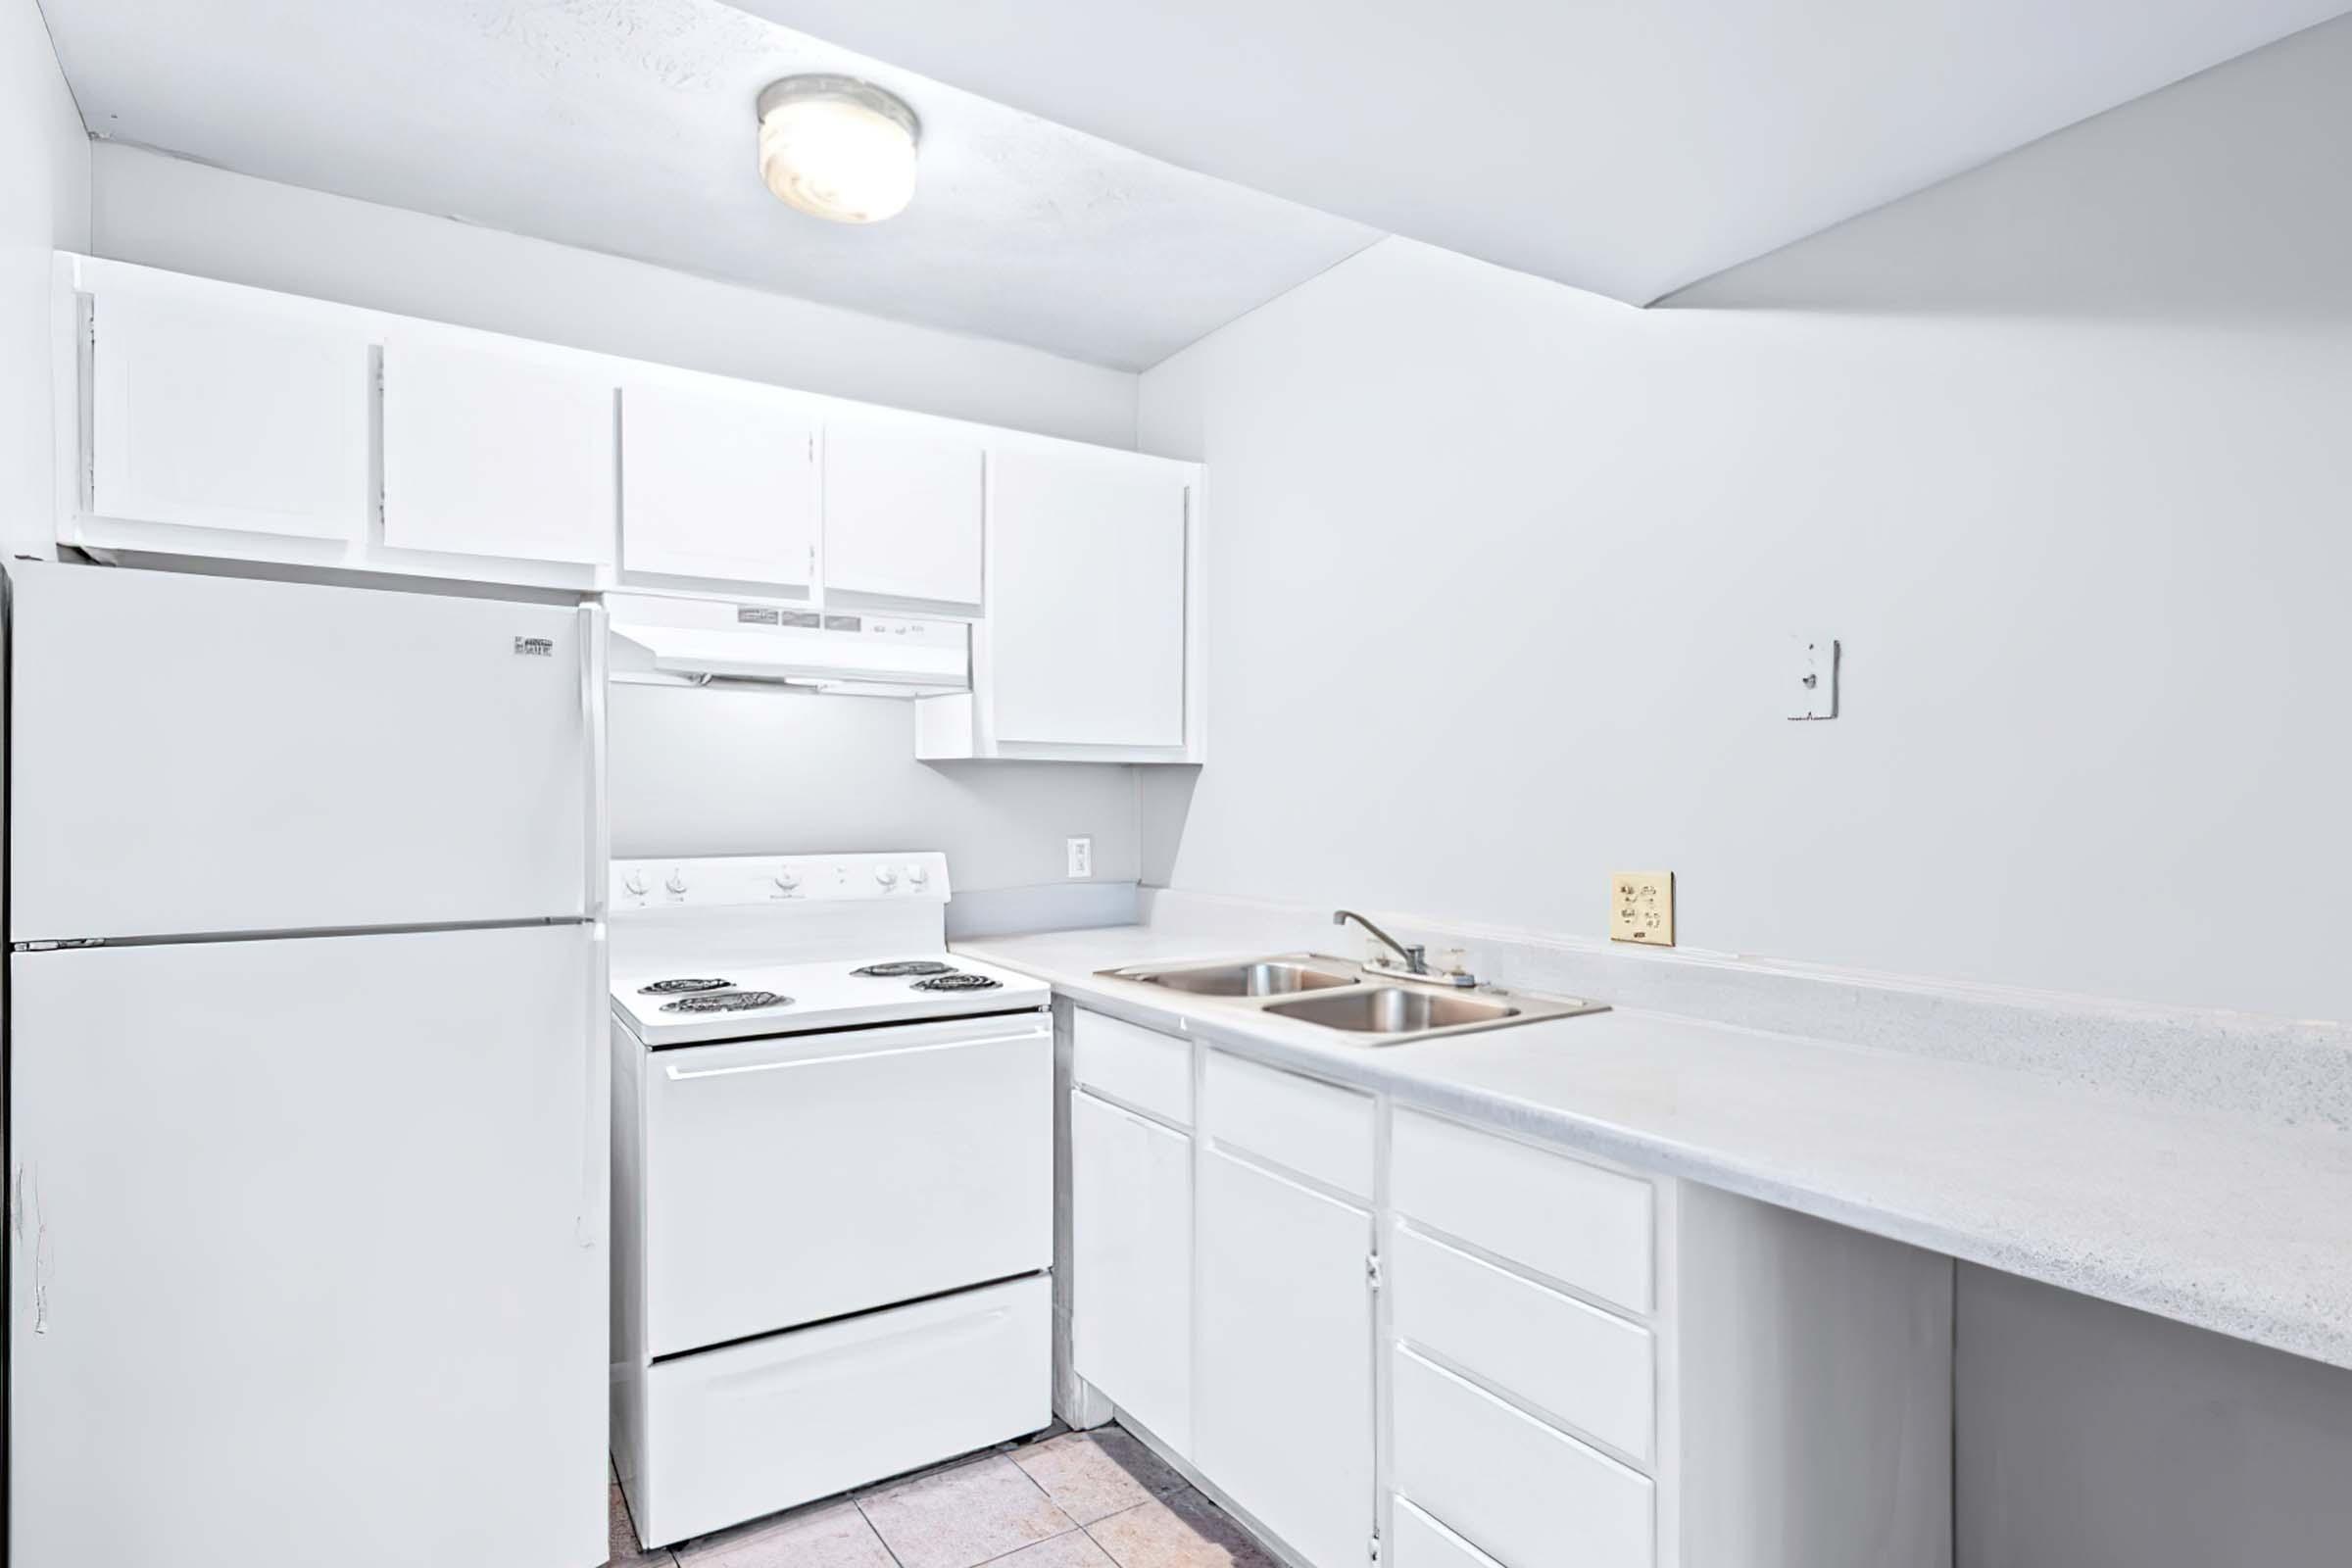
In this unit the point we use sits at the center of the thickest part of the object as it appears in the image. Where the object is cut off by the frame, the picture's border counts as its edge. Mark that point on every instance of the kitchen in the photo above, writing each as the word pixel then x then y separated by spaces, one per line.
pixel 1863 721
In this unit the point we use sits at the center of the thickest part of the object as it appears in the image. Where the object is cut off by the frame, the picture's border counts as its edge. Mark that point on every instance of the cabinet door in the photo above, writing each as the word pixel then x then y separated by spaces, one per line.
pixel 491 454
pixel 1283 1386
pixel 227 413
pixel 716 484
pixel 902 508
pixel 1130 1263
pixel 1086 598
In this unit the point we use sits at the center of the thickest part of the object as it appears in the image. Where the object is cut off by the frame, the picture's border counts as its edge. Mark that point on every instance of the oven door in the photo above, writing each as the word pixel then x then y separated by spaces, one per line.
pixel 806 1177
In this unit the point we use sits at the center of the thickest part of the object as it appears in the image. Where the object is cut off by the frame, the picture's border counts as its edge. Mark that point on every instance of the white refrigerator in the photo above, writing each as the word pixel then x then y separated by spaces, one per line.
pixel 307 1080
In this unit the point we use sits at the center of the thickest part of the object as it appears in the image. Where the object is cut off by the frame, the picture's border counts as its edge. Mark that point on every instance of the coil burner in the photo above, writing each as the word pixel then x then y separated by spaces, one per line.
pixel 726 1002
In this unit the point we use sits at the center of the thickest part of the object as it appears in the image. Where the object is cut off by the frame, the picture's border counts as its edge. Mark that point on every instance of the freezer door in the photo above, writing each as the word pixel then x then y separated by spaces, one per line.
pixel 194 755
pixel 309 1258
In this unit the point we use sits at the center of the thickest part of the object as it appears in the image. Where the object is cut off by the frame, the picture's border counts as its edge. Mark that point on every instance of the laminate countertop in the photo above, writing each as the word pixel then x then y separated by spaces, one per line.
pixel 2214 1219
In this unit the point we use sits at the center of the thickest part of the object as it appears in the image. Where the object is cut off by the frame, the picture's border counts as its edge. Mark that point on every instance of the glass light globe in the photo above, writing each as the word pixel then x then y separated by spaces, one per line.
pixel 838 148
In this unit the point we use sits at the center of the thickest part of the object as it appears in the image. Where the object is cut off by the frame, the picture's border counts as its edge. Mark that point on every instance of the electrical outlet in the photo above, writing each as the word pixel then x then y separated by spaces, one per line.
pixel 1641 907
pixel 1082 858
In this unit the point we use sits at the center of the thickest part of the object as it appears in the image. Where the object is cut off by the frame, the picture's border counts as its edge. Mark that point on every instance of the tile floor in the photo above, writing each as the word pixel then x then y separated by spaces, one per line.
pixel 1075 1500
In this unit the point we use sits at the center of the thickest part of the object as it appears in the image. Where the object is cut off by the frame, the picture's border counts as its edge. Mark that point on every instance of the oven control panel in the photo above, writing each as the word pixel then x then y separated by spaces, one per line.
pixel 733 880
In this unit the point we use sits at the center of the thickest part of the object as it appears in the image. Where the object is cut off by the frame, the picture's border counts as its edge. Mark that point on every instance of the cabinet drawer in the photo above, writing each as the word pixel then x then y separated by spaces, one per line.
pixel 1423 1542
pixel 1508 1484
pixel 1316 1129
pixel 1592 1370
pixel 1587 1227
pixel 1139 1068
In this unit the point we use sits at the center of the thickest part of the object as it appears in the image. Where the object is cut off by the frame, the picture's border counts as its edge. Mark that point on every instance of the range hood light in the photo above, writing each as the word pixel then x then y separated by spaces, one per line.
pixel 838 148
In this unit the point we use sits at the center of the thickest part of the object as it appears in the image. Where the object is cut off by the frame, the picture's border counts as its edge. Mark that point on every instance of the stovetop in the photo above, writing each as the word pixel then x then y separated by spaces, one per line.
pixel 709 1003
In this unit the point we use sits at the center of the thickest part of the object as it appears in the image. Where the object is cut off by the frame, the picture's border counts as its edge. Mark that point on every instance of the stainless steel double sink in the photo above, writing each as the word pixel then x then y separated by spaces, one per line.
pixel 1337 995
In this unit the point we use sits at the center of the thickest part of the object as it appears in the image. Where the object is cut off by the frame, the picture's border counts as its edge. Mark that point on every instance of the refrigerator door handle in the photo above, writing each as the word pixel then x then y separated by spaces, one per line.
pixel 599 849
pixel 592 1216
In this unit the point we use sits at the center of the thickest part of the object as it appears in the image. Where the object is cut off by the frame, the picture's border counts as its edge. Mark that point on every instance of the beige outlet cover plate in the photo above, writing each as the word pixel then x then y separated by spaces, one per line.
pixel 1641 907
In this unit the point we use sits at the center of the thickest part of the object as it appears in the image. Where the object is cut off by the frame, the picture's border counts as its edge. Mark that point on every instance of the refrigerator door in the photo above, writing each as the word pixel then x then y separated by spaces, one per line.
pixel 309 1260
pixel 197 755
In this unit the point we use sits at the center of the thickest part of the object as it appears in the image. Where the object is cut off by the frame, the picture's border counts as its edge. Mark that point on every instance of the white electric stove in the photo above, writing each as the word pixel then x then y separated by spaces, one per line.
pixel 832 1185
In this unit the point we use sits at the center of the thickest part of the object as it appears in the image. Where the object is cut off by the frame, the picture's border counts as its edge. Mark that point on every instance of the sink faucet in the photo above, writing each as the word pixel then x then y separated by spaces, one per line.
pixel 1416 958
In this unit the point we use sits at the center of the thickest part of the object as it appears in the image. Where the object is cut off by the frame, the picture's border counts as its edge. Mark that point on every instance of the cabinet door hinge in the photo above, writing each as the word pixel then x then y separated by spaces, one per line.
pixel 1375 1553
pixel 1372 1271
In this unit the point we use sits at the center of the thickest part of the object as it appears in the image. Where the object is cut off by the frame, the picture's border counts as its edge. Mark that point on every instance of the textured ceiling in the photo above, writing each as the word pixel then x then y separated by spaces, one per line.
pixel 1623 146
pixel 626 127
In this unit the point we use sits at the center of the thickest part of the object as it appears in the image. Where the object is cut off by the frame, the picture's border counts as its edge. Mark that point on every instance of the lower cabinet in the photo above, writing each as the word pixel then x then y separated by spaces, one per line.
pixel 1131 1265
pixel 1563 1363
pixel 1284 1411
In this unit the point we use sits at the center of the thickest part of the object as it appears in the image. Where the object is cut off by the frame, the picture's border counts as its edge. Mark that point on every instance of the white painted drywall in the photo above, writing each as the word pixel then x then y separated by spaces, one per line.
pixel 44 203
pixel 2058 449
pixel 165 212
pixel 626 127
pixel 1622 148
pixel 733 771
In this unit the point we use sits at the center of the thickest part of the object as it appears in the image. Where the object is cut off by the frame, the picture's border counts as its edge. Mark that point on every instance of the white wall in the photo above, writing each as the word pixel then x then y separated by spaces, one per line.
pixel 44 203
pixel 165 212
pixel 731 771
pixel 2059 449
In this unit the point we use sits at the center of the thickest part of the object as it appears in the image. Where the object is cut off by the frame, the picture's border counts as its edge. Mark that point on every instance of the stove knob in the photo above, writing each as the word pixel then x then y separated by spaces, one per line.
pixel 676 882
pixel 917 876
pixel 636 883
pixel 886 877
pixel 788 879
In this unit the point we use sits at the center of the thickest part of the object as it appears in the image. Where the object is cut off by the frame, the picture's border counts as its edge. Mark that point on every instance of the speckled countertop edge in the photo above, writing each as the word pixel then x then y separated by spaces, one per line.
pixel 2223 1222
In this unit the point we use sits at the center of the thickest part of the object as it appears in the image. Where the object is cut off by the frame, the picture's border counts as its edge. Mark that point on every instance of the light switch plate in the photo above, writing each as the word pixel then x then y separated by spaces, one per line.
pixel 1641 907
pixel 1081 853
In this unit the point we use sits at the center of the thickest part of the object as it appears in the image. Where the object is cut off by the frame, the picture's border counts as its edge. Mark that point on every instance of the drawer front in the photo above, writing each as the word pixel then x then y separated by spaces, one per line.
pixel 1139 1068
pixel 1316 1129
pixel 1420 1542
pixel 1587 1227
pixel 794 1179
pixel 736 1432
pixel 1509 1485
pixel 1592 1370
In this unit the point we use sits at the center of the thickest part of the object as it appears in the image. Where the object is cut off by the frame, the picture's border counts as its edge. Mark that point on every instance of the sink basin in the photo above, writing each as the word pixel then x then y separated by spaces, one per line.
pixel 1266 977
pixel 1332 994
pixel 1394 1010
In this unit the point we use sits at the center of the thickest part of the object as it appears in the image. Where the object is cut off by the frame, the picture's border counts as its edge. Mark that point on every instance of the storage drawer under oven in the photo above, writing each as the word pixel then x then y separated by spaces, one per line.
pixel 772 1423
pixel 803 1177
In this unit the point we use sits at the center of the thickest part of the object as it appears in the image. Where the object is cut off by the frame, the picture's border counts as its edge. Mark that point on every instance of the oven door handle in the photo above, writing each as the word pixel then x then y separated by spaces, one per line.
pixel 678 1074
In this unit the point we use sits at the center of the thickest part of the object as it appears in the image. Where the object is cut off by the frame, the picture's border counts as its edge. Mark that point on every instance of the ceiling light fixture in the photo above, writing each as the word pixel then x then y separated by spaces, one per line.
pixel 839 147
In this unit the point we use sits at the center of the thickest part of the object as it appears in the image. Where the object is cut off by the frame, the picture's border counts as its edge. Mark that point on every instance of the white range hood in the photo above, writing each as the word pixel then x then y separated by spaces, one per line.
pixel 664 638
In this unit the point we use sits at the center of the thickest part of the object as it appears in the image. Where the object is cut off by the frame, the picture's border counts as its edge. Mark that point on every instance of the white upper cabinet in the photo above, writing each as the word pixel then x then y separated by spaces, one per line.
pixel 718 483
pixel 230 422
pixel 226 410
pixel 489 452
pixel 1086 613
pixel 903 511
